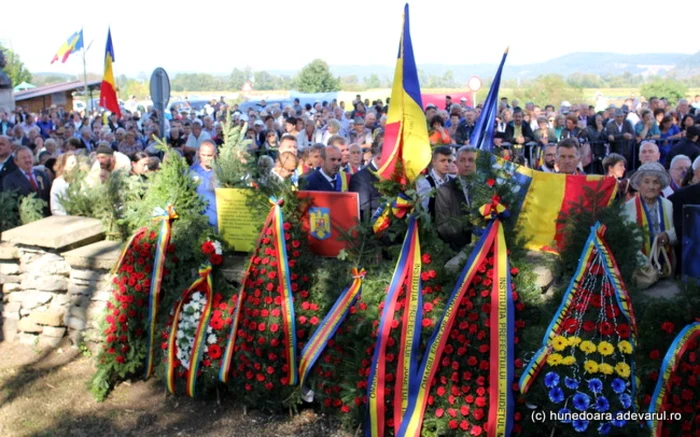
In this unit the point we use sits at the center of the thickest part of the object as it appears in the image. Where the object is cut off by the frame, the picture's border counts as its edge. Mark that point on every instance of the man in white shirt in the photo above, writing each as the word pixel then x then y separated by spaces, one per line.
pixel 196 137
pixel 427 185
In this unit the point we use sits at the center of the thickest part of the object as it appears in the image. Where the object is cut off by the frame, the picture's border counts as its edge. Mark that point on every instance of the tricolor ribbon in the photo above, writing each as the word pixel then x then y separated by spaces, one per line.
pixel 595 246
pixel 329 325
pixel 275 222
pixel 668 366
pixel 494 209
pixel 200 334
pixel 285 290
pixel 165 216
pixel 381 219
pixel 642 213
pixel 420 386
pixel 139 232
pixel 405 266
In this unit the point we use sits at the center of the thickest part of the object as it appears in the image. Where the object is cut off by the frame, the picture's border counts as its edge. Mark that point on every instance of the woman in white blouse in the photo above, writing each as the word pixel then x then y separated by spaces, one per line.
pixel 64 166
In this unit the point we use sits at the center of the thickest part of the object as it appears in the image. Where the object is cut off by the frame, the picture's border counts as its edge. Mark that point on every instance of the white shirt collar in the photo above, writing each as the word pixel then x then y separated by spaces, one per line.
pixel 328 178
pixel 438 180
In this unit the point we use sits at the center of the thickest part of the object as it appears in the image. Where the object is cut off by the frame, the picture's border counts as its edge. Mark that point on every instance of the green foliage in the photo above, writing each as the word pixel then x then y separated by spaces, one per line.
pixel 316 78
pixel 672 89
pixel 585 80
pixel 373 81
pixel 31 209
pixel 10 210
pixel 15 68
pixel 577 226
pixel 550 88
pixel 132 87
pixel 104 201
pixel 234 164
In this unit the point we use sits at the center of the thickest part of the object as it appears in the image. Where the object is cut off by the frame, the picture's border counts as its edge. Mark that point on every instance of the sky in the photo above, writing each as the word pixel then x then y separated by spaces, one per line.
pixel 217 36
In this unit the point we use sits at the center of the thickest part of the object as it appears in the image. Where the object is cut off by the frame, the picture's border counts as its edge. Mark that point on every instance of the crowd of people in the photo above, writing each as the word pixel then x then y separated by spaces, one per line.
pixel 650 146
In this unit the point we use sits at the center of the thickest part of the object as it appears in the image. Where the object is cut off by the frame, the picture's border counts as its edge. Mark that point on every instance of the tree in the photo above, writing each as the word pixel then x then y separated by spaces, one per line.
pixel 672 89
pixel 15 69
pixel 317 78
pixel 550 88
pixel 373 81
pixel 238 78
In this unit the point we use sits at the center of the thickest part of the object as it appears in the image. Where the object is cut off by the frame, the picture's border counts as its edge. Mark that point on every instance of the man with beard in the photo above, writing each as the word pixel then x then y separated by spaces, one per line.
pixel 326 178
pixel 550 156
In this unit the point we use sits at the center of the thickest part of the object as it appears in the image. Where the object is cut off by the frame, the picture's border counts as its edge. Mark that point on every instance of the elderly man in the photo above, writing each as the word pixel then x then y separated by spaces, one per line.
pixel 7 162
pixel 648 152
pixel 620 133
pixel 25 180
pixel 453 199
pixel 326 178
pixel 203 173
pixel 196 138
pixel 359 133
pixel 436 177
pixel 568 156
pixel 689 195
pixel 680 165
pixel 355 163
pixel 465 127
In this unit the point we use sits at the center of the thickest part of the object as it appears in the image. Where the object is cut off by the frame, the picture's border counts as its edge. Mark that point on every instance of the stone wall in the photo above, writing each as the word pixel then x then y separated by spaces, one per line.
pixel 55 280
pixel 44 297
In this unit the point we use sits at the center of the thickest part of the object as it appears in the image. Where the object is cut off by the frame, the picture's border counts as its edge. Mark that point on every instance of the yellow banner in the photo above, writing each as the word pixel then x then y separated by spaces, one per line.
pixel 238 223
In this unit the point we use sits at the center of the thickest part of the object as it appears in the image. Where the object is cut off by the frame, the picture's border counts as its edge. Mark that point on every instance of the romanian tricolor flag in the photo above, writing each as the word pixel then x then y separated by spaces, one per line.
pixel 543 196
pixel 108 90
pixel 72 45
pixel 406 132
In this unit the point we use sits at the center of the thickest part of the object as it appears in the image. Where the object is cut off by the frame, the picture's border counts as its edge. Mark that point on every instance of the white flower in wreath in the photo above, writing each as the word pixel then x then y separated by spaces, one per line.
pixel 196 296
pixel 218 249
pixel 211 339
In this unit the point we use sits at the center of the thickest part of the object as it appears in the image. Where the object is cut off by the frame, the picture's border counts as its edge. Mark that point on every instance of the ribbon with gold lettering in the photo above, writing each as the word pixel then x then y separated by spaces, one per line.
pixel 275 221
pixel 329 325
pixel 405 266
pixel 200 334
pixel 165 216
pixel 502 331
pixel 227 357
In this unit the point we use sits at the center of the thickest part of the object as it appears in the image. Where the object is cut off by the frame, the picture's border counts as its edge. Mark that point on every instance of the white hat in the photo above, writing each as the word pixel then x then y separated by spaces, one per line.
pixel 463 99
pixel 654 169
pixel 258 123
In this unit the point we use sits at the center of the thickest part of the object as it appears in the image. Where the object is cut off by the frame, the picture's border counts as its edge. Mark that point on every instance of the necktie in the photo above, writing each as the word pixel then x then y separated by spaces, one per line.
pixel 35 187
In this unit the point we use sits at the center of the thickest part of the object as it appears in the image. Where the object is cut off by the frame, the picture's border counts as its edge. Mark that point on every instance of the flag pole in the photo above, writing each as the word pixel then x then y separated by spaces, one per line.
pixel 85 81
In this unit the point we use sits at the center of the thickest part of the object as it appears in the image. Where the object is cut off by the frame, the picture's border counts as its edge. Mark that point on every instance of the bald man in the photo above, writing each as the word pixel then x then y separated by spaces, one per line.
pixel 203 173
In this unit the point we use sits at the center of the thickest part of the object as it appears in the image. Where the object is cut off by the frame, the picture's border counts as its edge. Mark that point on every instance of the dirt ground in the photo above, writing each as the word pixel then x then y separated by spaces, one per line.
pixel 43 393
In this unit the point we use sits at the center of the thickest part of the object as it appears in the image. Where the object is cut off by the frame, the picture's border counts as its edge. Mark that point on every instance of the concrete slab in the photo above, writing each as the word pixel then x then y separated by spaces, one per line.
pixel 96 256
pixel 57 232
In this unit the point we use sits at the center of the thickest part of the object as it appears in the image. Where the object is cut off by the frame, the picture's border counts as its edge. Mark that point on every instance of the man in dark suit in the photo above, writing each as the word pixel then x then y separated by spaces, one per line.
pixel 25 180
pixel 517 131
pixel 689 195
pixel 363 182
pixel 7 162
pixel 325 178
pixel 452 200
pixel 620 134
pixel 688 146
